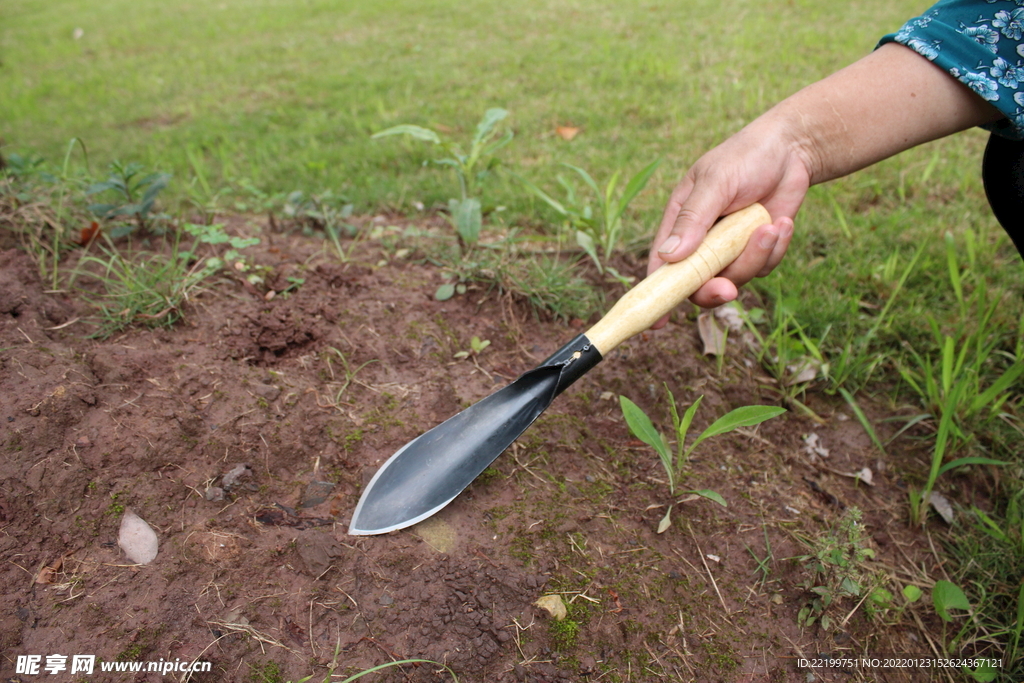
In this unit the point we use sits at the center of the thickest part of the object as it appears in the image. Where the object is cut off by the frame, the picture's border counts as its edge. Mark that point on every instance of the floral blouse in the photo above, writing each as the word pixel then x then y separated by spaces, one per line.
pixel 980 43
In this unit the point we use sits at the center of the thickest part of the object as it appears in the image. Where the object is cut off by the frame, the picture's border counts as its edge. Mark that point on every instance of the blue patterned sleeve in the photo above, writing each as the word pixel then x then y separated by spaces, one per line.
pixel 980 43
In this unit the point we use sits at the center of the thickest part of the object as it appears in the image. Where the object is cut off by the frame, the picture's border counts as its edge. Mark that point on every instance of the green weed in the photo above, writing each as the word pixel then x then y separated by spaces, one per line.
pixel 965 390
pixel 837 571
pixel 134 196
pixel 547 282
pixel 786 351
pixel 267 672
pixel 150 289
pixel 763 567
pixel 476 346
pixel 40 206
pixel 116 507
pixel 989 554
pixel 596 230
pixel 564 634
pixel 214 235
pixel 471 168
pixel 325 212
pixel 339 385
pixel 642 428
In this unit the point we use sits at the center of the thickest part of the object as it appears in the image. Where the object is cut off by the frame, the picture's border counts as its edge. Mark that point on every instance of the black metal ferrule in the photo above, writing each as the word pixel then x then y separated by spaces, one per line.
pixel 575 359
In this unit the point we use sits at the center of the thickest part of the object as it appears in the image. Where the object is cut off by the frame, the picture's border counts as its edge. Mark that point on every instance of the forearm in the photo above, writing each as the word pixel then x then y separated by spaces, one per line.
pixel 889 101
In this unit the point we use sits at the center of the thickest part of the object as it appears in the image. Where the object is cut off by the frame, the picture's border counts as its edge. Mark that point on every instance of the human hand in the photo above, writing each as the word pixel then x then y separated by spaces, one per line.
pixel 888 101
pixel 761 163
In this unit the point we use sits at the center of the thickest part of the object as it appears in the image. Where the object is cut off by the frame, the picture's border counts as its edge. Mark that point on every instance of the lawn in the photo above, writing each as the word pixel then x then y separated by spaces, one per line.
pixel 286 95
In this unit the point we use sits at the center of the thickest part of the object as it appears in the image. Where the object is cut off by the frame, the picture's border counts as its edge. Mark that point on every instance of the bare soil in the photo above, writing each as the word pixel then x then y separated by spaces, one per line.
pixel 311 391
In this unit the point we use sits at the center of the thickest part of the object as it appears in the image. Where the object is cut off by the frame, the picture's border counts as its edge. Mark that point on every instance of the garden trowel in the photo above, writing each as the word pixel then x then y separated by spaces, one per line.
pixel 431 470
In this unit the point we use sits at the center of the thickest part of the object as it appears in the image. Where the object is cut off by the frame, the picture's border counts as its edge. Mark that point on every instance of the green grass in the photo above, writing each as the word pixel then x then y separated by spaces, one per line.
pixel 287 94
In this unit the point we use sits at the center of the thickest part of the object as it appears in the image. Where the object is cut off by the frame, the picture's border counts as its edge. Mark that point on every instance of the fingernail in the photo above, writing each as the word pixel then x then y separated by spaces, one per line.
pixel 769 239
pixel 669 245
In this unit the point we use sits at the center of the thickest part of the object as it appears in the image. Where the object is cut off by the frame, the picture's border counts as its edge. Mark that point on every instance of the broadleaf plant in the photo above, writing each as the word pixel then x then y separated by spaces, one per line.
pixel 134 196
pixel 470 167
pixel 947 596
pixel 643 428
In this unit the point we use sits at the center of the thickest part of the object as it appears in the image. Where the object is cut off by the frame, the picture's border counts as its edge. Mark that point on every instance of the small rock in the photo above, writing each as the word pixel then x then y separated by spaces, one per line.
pixel 318 553
pixel 137 539
pixel 214 494
pixel 316 493
pixel 813 446
pixel 553 605
pixel 386 600
pixel 267 391
pixel 237 472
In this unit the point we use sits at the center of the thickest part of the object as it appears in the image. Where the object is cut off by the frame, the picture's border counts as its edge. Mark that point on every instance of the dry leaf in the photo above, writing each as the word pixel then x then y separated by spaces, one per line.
pixel 711 334
pixel 666 521
pixel 553 605
pixel 137 539
pixel 803 371
pixel 567 132
pixel 48 573
pixel 941 505
pixel 865 475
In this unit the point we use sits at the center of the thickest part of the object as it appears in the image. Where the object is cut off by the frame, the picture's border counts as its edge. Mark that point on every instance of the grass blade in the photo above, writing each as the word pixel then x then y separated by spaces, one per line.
pixel 542 195
pixel 636 185
pixel 487 124
pixel 586 178
pixel 642 428
pixel 681 430
pixel 400 662
pixel 948 352
pixel 417 132
pixel 973 460
pixel 747 416
pixel 954 272
pixel 998 387
pixel 864 422
pixel 711 495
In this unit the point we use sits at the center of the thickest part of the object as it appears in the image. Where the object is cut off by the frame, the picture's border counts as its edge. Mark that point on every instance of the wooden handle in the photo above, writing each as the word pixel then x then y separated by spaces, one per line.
pixel 673 283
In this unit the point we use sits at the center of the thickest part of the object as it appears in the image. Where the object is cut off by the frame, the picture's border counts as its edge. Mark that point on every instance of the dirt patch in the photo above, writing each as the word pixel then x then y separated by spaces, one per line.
pixel 309 393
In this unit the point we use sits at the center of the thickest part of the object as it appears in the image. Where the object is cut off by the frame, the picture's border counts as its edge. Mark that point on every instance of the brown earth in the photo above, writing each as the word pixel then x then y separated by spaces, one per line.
pixel 322 385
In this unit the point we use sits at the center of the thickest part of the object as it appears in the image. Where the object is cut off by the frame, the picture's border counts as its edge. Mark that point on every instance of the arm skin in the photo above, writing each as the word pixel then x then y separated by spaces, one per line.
pixel 889 101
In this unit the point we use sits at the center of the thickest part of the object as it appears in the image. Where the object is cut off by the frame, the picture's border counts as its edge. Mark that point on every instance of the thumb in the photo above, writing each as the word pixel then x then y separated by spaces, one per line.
pixel 690 225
